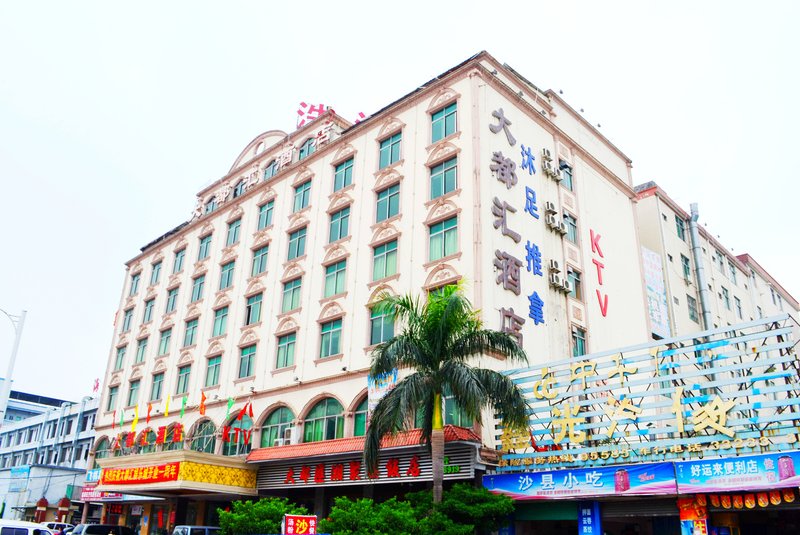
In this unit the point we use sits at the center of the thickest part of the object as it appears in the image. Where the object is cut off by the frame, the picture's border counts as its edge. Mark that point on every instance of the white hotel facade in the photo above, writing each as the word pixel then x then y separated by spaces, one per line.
pixel 264 296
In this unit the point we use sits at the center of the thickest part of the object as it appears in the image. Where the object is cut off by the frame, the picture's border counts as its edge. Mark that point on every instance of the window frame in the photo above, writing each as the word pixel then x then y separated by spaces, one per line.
pixel 213 365
pixel 247 361
pixel 443 172
pixel 198 286
pixel 265 213
pixel 330 338
pixel 157 384
pixel 342 174
pixel 220 325
pixel 155 273
pixel 389 197
pixel 204 247
pixel 442 117
pixel 253 305
pixel 285 349
pixel 336 276
pixel 390 146
pixel 295 290
pixel 182 380
pixel 226 275
pixel 384 257
pixel 339 226
pixel 234 228
pixel 441 230
pixel 164 341
pixel 260 259
pixel 190 332
pixel 177 262
pixel 297 243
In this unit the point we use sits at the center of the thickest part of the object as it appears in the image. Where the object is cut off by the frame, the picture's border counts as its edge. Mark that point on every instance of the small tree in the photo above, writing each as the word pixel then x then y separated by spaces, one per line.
pixel 263 516
pixel 477 506
pixel 366 517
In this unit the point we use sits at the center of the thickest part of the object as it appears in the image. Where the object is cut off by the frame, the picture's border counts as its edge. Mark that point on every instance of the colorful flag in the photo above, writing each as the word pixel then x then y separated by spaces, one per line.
pixel 149 410
pixel 114 419
pixel 183 405
pixel 121 419
pixel 166 409
pixel 202 403
pixel 135 419
pixel 230 405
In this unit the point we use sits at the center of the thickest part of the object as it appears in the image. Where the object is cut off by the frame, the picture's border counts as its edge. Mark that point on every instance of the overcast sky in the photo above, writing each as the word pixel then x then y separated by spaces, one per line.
pixel 113 116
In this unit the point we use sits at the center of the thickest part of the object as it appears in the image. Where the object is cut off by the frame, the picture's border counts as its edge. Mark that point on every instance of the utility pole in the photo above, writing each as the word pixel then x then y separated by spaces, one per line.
pixel 18 322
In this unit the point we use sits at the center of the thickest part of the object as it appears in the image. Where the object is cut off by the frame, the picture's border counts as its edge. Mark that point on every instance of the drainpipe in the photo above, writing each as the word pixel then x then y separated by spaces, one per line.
pixel 77 431
pixel 700 270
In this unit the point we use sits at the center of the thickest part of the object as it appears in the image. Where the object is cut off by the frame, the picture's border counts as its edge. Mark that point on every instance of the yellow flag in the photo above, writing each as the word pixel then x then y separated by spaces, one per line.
pixel 166 410
pixel 135 419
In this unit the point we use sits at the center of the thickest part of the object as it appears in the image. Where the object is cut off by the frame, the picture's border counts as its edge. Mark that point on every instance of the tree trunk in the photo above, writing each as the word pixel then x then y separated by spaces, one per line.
pixel 437 448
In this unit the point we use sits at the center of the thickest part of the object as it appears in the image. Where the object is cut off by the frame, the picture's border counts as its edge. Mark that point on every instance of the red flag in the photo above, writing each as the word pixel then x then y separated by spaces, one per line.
pixel 250 412
pixel 113 420
pixel 202 403
pixel 242 412
pixel 149 408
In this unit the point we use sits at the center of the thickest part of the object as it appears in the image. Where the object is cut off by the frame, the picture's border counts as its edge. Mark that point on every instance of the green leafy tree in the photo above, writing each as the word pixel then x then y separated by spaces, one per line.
pixel 477 506
pixel 263 516
pixel 366 517
pixel 438 340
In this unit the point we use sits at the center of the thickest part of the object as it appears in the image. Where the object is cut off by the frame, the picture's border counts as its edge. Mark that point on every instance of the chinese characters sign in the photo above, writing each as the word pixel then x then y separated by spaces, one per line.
pixel 300 524
pixel 140 474
pixel 754 472
pixel 628 480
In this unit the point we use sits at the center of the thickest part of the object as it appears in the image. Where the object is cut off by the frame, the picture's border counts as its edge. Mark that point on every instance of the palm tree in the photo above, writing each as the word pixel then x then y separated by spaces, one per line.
pixel 438 340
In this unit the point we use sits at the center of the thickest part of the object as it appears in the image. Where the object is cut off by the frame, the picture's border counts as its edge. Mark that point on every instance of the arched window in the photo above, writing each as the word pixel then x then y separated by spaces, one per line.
pixel 324 422
pixel 307 148
pixel 271 169
pixel 360 418
pixel 275 426
pixel 122 447
pixel 147 441
pixel 211 205
pixel 238 189
pixel 102 451
pixel 238 442
pixel 170 443
pixel 203 439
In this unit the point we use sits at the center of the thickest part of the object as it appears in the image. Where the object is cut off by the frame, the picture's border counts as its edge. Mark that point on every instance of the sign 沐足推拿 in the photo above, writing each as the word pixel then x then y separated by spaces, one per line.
pixel 628 480
pixel 679 398
pixel 752 472
pixel 140 474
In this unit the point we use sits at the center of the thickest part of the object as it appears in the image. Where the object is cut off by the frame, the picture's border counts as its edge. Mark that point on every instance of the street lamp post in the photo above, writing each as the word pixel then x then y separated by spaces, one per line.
pixel 18 322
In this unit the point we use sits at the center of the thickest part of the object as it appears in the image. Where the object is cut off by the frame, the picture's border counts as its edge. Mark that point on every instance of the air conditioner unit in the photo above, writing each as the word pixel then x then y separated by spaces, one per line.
pixel 546 154
pixel 552 221
pixel 556 175
pixel 555 280
pixel 554 266
pixel 278 442
pixel 562 227
pixel 550 207
pixel 567 286
pixel 290 436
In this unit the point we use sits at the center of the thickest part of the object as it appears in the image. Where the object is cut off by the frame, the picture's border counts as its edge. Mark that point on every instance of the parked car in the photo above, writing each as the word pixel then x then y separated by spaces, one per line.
pixel 19 527
pixel 101 529
pixel 56 527
pixel 195 530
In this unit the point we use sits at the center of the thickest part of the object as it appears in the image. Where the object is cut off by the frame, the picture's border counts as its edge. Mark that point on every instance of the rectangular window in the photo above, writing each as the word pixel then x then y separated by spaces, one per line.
pixel 133 393
pixel 575 278
pixel 687 268
pixel 331 339
pixel 252 311
pixel 120 360
pixel 572 228
pixel 297 243
pixel 148 310
pixel 302 196
pixel 265 214
pixel 163 343
pixel 732 271
pixel 720 262
pixel 184 372
pixel 155 274
pixel 291 295
pixel 246 359
pixel 172 300
pixel 226 276
pixel 443 122
pixel 691 303
pixel 578 342
pixel 220 322
pixel 158 383
pixel 443 178
pixel 726 298
pixel 384 260
pixel 285 355
pixel 212 371
pixel 443 239
pixel 334 278
pixel 680 227
pixel 388 203
pixel 566 174
pixel 134 284
pixel 260 260
pixel 233 232
pixel 141 350
pixel 190 334
pixel 177 264
pixel 112 398
pixel 738 303
pixel 126 320
pixel 343 176
pixel 205 247
pixel 381 326
pixel 197 287
pixel 340 222
pixel 390 150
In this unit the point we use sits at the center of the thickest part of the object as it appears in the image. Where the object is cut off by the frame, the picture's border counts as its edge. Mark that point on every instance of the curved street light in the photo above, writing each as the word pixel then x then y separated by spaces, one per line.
pixel 18 322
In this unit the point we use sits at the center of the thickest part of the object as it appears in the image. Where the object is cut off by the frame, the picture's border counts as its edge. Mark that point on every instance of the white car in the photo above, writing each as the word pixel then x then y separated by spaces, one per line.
pixel 20 527
pixel 56 527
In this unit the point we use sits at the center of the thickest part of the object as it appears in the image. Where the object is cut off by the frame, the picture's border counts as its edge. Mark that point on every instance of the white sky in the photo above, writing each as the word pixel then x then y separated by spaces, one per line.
pixel 112 117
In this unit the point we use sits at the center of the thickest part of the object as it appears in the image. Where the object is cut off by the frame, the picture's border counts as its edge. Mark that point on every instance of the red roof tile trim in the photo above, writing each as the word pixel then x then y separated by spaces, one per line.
pixel 356 444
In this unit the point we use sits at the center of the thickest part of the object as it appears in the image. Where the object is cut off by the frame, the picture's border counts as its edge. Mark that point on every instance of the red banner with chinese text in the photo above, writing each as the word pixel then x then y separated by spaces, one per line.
pixel 140 474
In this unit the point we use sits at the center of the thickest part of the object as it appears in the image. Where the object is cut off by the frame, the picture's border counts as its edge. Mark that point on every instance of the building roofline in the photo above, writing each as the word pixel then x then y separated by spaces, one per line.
pixel 749 261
